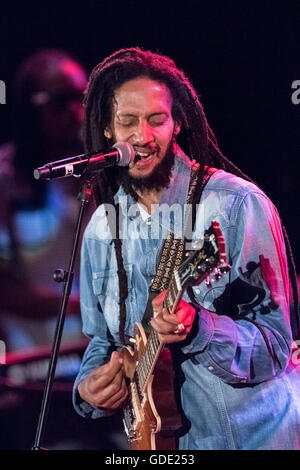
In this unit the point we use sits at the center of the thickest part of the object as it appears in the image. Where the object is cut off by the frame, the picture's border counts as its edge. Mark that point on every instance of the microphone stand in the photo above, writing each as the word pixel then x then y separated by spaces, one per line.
pixel 66 277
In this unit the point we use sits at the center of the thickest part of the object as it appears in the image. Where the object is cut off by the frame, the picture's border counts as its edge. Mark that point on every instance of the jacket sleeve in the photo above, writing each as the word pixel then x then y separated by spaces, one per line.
pixel 245 336
pixel 101 345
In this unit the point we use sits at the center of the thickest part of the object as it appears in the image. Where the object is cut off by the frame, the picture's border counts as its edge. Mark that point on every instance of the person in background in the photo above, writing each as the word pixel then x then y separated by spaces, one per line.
pixel 37 218
pixel 37 227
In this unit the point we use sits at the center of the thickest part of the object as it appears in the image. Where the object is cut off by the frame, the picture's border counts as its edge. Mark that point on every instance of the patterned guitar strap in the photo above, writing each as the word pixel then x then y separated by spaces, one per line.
pixel 173 248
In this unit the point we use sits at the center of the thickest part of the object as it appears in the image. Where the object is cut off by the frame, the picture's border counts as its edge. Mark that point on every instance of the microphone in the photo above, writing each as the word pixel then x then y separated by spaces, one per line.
pixel 121 153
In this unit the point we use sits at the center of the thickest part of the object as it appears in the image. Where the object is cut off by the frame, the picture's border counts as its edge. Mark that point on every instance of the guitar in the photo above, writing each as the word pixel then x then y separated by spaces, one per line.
pixel 150 413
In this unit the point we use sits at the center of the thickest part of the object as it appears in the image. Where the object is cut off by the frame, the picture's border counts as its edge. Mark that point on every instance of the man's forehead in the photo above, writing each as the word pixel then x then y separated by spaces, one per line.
pixel 142 93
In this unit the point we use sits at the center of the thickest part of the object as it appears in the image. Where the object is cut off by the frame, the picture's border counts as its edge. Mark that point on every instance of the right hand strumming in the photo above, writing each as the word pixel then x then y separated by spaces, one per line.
pixel 105 386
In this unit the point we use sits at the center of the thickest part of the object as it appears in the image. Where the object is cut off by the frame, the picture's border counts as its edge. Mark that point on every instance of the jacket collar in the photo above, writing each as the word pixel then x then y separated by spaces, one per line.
pixel 175 193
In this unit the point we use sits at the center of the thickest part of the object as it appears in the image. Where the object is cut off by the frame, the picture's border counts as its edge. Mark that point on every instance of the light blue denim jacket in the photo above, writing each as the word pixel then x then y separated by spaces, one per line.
pixel 236 393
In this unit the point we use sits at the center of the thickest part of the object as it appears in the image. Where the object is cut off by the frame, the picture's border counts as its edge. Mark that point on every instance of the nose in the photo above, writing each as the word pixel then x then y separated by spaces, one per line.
pixel 144 133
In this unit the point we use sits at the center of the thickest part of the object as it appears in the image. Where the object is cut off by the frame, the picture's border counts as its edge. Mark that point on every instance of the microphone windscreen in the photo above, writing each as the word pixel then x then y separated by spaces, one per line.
pixel 126 152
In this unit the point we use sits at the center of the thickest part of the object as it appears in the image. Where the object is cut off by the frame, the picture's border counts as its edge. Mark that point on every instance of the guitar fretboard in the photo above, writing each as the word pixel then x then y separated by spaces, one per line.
pixel 154 346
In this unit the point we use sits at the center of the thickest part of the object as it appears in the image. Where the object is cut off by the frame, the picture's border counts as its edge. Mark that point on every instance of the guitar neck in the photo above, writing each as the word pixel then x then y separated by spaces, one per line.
pixel 193 270
pixel 153 347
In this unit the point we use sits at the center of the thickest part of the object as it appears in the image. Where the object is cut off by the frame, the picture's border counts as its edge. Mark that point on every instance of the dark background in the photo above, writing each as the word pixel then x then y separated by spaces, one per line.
pixel 242 57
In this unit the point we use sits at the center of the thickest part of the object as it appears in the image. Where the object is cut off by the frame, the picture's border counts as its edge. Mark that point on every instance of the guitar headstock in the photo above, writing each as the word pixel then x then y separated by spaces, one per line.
pixel 206 259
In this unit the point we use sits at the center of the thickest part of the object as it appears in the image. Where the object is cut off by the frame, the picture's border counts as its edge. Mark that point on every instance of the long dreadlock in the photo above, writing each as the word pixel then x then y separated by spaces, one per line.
pixel 202 146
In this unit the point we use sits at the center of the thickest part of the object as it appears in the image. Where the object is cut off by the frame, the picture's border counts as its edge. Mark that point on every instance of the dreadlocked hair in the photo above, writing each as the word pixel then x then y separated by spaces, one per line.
pixel 200 142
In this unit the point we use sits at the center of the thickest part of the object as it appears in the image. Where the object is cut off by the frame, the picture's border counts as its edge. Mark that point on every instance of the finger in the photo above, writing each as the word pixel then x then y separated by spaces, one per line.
pixel 157 303
pixel 100 395
pixel 115 359
pixel 163 327
pixel 111 389
pixel 169 317
pixel 165 322
pixel 117 398
pixel 180 329
pixel 104 375
pixel 117 404
pixel 171 330
pixel 99 383
pixel 115 395
pixel 172 338
pixel 112 367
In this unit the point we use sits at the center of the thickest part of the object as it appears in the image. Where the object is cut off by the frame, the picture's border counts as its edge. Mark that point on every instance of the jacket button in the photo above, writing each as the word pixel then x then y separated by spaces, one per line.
pixel 210 367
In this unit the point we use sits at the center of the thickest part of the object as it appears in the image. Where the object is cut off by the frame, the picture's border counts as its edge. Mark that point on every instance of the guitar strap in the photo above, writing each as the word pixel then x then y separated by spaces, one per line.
pixel 173 248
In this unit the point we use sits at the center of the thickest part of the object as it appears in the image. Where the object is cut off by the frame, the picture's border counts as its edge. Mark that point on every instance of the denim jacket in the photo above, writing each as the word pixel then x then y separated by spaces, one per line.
pixel 239 389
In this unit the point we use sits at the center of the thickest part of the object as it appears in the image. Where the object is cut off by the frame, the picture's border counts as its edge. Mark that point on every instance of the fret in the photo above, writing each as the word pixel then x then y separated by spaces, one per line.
pixel 138 384
pixel 138 373
pixel 156 340
pixel 177 281
pixel 148 362
pixel 145 371
pixel 172 292
pixel 152 345
pixel 171 297
pixel 142 371
pixel 144 363
pixel 151 349
pixel 168 302
pixel 144 378
pixel 151 353
pixel 173 289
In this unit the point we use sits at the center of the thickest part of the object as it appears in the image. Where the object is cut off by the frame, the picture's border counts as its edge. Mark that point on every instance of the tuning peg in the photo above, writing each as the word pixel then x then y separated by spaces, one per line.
pixel 217 274
pixel 225 268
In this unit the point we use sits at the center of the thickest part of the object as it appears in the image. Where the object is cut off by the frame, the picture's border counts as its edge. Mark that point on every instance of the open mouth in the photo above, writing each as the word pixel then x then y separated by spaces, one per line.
pixel 143 156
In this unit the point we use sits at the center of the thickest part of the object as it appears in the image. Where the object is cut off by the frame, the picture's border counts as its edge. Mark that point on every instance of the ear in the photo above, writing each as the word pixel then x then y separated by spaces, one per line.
pixel 177 128
pixel 108 133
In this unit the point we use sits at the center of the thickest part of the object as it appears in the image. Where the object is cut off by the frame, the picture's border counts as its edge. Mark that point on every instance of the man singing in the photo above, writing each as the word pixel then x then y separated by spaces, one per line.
pixel 230 340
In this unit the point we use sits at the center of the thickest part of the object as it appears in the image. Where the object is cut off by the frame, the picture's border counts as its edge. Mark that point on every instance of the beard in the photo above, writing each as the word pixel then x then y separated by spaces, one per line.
pixel 158 179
